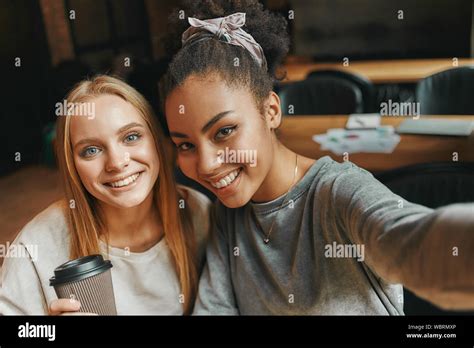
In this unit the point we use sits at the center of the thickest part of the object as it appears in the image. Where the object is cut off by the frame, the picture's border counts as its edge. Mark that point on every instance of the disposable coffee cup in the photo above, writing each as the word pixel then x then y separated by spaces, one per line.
pixel 88 280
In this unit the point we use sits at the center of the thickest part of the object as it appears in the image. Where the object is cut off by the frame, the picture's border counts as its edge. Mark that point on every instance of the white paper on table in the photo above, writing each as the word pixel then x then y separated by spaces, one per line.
pixel 363 121
pixel 338 140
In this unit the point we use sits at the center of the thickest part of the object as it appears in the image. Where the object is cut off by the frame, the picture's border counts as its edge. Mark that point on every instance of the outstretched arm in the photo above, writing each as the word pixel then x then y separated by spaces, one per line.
pixel 431 252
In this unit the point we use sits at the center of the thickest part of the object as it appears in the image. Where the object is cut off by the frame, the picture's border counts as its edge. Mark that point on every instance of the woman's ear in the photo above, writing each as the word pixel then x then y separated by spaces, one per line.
pixel 273 111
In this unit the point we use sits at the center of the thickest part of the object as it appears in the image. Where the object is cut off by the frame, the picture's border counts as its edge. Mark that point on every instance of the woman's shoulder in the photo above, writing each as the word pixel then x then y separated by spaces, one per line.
pixel 194 198
pixel 199 208
pixel 330 168
pixel 41 246
pixel 333 176
pixel 49 227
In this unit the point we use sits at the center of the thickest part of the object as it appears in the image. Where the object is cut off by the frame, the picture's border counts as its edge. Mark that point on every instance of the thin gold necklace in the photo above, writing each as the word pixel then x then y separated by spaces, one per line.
pixel 266 238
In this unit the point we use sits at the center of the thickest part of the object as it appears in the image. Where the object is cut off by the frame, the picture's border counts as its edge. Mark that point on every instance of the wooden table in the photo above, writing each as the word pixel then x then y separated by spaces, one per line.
pixel 381 71
pixel 296 133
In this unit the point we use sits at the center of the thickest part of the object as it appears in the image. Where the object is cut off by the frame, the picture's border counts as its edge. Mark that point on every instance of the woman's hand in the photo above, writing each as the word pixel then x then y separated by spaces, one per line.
pixel 64 306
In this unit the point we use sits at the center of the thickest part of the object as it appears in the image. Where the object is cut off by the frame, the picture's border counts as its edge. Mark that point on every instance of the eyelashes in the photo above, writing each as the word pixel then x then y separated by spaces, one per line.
pixel 222 134
pixel 86 153
pixel 92 151
pixel 225 132
pixel 136 136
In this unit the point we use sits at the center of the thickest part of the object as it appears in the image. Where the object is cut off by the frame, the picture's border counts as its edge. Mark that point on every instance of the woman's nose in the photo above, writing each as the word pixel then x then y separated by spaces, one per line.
pixel 117 160
pixel 208 160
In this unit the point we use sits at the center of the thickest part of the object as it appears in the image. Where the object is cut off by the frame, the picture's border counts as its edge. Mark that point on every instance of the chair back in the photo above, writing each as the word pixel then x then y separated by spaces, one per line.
pixel 321 96
pixel 448 92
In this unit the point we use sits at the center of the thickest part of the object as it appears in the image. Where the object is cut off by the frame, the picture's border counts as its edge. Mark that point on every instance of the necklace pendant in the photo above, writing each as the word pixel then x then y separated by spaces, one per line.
pixel 266 240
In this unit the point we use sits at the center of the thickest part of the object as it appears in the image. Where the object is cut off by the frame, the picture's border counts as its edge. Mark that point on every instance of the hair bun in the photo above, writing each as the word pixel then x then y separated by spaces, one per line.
pixel 267 28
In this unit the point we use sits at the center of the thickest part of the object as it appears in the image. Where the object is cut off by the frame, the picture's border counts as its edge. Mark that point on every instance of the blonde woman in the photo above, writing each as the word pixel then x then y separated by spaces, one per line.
pixel 121 201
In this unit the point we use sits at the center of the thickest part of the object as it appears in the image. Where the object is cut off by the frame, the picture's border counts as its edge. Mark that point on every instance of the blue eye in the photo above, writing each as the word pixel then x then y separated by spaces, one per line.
pixel 225 132
pixel 90 152
pixel 132 137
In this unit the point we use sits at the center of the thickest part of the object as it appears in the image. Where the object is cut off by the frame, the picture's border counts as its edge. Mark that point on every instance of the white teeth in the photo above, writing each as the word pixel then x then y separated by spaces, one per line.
pixel 227 180
pixel 125 182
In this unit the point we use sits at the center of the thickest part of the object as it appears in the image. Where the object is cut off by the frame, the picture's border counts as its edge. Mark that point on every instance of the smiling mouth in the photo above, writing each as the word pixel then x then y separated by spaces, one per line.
pixel 227 180
pixel 124 182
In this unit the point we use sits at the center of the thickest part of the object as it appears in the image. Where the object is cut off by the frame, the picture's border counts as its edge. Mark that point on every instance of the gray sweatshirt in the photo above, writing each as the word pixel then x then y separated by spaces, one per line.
pixel 342 244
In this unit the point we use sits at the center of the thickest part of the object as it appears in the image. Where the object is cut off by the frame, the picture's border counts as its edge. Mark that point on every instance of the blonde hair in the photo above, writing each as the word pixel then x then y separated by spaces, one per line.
pixel 84 221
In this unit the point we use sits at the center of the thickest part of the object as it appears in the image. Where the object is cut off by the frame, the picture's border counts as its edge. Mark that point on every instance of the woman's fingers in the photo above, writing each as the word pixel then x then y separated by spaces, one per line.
pixel 61 305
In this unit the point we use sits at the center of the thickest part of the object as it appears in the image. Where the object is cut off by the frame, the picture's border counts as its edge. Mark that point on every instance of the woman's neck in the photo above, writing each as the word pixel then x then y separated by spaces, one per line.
pixel 137 228
pixel 280 177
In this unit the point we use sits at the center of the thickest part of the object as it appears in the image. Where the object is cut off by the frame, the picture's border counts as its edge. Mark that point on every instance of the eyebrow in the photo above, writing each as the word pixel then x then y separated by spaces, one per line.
pixel 121 130
pixel 207 126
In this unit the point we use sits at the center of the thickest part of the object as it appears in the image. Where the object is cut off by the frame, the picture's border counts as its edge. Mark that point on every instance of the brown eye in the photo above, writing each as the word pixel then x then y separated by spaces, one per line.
pixel 185 146
pixel 225 132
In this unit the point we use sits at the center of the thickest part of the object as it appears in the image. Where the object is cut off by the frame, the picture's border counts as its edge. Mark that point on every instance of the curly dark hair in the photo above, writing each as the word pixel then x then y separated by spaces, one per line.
pixel 214 56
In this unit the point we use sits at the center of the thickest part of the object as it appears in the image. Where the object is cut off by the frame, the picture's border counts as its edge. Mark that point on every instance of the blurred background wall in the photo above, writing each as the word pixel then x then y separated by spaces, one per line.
pixel 48 45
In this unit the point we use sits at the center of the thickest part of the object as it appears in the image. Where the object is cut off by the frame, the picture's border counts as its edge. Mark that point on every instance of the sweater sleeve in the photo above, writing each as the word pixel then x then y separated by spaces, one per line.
pixel 216 294
pixel 199 208
pixel 21 292
pixel 431 252
pixel 41 246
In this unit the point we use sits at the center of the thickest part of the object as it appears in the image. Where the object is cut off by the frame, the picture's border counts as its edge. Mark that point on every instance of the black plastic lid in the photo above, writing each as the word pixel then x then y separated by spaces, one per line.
pixel 78 269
